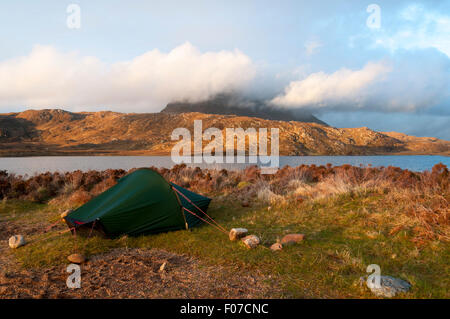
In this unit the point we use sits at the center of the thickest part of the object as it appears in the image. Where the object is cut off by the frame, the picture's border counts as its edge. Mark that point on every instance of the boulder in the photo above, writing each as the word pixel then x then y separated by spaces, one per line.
pixel 389 286
pixel 76 258
pixel 65 213
pixel 276 246
pixel 251 241
pixel 292 239
pixel 237 233
pixel 16 241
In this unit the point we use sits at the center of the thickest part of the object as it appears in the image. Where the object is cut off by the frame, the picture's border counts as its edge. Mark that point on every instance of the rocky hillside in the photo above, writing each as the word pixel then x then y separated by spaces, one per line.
pixel 58 132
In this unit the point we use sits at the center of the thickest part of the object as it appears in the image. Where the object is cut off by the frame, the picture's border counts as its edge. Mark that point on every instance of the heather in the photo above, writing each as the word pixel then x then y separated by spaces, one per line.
pixel 351 217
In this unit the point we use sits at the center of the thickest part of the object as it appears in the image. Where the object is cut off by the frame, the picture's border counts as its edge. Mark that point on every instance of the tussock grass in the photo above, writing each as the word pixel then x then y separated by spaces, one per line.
pixel 351 217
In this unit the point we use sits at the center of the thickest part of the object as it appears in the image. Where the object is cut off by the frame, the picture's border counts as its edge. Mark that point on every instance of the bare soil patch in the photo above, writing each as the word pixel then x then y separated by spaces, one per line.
pixel 135 273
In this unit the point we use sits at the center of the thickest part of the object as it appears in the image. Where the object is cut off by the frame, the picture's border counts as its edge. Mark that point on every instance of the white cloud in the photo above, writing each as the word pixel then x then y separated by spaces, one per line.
pixel 322 90
pixel 49 78
pixel 418 29
pixel 312 46
pixel 408 81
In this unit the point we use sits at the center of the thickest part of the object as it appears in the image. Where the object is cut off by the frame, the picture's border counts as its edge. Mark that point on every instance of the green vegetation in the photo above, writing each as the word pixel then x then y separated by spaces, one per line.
pixel 352 217
pixel 342 238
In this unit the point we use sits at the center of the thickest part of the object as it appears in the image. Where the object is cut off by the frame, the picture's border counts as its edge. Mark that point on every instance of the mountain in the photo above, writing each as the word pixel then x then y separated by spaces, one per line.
pixel 58 132
pixel 231 105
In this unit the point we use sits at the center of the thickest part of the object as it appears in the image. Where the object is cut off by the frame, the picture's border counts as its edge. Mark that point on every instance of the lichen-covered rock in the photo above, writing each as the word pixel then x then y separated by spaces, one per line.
pixel 76 258
pixel 237 233
pixel 276 246
pixel 389 286
pixel 292 239
pixel 251 241
pixel 16 241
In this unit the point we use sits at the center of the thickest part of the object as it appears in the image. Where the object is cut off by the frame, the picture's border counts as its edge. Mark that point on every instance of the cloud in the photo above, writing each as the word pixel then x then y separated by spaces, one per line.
pixel 49 78
pixel 418 28
pixel 322 90
pixel 312 46
pixel 407 81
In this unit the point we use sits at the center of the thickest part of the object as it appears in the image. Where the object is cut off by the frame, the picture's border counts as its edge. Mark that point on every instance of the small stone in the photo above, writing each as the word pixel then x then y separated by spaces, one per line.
pixel 16 241
pixel 65 213
pixel 292 239
pixel 389 286
pixel 245 203
pixel 251 241
pixel 237 233
pixel 163 266
pixel 76 258
pixel 372 234
pixel 276 246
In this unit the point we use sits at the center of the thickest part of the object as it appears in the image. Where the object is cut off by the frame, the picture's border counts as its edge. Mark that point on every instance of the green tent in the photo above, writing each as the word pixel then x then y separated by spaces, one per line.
pixel 141 203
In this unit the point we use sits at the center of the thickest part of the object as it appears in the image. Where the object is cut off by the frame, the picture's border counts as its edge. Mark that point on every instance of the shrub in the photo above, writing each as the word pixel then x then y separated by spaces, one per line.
pixel 79 197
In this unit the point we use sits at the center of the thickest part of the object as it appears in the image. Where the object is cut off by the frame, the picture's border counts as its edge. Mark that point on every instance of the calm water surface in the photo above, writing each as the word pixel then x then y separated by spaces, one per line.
pixel 33 165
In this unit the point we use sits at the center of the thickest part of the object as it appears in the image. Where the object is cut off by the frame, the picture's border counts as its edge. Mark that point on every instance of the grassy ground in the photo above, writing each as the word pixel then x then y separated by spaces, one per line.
pixel 344 234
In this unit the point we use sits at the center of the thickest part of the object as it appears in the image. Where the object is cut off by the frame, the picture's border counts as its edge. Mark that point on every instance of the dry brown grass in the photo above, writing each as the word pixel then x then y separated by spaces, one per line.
pixel 351 217
pixel 414 201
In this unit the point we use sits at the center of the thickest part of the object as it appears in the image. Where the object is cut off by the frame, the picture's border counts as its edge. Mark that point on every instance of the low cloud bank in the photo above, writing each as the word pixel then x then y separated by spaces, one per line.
pixel 406 82
pixel 49 78
pixel 341 88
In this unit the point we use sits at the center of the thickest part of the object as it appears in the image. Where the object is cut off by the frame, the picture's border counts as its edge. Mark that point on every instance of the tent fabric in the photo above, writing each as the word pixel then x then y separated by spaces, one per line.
pixel 141 203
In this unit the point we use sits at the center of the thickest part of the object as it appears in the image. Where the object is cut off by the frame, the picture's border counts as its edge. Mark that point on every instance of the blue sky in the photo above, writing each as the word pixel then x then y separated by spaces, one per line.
pixel 322 56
